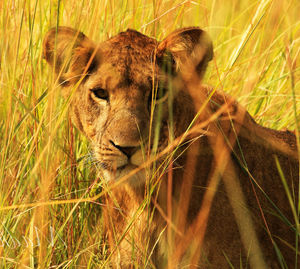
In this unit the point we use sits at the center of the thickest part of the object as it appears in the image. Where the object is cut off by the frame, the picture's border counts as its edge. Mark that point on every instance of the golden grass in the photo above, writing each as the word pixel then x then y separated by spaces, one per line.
pixel 50 209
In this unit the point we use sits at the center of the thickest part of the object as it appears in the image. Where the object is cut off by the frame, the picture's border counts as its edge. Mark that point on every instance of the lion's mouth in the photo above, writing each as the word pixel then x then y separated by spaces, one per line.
pixel 134 168
pixel 122 162
pixel 128 171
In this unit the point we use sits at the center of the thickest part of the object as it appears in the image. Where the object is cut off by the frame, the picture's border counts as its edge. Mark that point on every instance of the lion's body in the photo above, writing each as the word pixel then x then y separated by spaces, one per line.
pixel 165 215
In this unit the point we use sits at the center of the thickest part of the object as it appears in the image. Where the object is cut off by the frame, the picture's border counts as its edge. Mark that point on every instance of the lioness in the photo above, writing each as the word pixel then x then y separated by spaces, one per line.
pixel 190 178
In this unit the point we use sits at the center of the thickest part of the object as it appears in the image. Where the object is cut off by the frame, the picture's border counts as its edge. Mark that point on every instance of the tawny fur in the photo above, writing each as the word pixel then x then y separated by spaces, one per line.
pixel 113 106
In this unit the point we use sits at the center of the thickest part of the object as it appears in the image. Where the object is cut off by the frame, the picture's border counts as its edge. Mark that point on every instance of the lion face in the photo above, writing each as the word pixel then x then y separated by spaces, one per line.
pixel 128 94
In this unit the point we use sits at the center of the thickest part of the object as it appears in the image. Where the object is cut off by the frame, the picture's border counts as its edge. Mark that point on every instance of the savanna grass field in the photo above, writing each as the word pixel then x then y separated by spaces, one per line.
pixel 50 195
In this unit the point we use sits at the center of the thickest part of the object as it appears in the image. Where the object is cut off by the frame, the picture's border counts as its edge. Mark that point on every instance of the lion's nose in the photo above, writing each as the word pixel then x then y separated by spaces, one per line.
pixel 128 151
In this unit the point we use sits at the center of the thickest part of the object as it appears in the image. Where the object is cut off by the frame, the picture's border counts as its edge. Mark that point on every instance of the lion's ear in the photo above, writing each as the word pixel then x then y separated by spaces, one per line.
pixel 71 54
pixel 189 48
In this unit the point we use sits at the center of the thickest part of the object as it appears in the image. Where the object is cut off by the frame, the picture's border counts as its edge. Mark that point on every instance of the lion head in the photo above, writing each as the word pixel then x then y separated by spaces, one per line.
pixel 123 95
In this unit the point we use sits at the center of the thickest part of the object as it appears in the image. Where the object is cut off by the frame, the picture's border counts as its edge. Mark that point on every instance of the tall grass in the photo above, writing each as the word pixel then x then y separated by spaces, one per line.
pixel 48 184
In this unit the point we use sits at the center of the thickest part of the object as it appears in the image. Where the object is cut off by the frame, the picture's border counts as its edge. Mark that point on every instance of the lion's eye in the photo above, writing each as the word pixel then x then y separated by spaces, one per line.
pixel 100 93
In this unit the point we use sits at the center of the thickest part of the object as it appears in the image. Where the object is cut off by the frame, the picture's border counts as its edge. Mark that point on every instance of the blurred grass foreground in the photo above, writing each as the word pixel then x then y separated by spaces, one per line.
pixel 49 214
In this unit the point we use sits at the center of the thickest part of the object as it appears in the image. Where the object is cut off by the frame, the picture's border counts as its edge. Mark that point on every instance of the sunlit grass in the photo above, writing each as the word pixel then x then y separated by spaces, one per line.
pixel 45 159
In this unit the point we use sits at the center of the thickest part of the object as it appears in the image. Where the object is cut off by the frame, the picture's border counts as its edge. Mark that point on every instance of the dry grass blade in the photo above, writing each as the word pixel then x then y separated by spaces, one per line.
pixel 51 197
